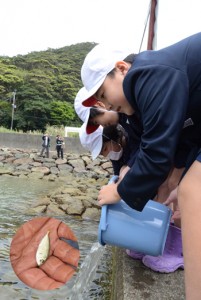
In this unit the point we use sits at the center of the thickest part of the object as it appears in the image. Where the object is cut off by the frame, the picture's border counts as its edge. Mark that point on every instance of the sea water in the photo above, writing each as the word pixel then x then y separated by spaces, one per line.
pixel 92 279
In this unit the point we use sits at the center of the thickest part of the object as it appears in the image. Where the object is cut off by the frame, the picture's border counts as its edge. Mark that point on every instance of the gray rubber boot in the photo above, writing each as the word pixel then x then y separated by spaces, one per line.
pixel 172 258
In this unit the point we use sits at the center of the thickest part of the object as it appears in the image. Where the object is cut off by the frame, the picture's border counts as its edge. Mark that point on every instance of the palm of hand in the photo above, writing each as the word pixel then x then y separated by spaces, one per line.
pixel 61 262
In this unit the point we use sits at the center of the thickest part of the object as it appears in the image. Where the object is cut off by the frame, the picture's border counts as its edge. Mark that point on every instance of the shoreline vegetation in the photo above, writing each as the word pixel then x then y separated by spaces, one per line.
pixel 38 89
pixel 52 130
pixel 79 180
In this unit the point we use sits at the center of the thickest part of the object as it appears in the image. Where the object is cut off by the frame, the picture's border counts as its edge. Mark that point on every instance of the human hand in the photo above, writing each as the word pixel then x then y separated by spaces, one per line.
pixel 123 172
pixel 176 217
pixel 60 264
pixel 108 194
pixel 172 198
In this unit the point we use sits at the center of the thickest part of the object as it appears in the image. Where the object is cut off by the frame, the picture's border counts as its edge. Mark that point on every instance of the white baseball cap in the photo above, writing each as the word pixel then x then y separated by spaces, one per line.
pixel 93 142
pixel 83 111
pixel 97 64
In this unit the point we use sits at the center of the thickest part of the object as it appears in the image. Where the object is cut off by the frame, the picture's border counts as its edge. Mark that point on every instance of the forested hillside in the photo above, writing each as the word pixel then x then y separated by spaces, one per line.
pixel 43 86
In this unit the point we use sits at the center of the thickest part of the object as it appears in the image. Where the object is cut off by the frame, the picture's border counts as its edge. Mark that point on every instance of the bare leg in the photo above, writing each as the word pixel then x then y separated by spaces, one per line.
pixel 173 183
pixel 189 197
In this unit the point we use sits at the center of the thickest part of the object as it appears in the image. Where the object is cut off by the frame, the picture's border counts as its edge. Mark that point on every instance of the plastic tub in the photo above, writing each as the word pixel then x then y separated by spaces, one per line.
pixel 145 231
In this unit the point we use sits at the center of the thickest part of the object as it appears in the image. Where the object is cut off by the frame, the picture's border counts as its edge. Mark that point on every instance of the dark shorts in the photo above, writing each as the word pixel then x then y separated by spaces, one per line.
pixel 199 156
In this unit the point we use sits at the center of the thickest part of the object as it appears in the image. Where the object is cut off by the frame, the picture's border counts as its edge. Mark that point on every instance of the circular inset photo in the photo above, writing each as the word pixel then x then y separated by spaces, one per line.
pixel 44 253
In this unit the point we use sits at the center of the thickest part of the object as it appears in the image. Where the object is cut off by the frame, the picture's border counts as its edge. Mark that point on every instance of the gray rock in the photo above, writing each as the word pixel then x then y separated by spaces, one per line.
pixel 54 170
pixel 73 206
pixel 79 180
pixel 25 168
pixel 77 163
pixel 6 170
pixel 43 170
pixel 22 161
pixel 36 210
pixel 35 175
pixel 51 177
pixel 54 210
pixel 49 164
pixel 22 176
pixel 65 173
pixel 65 167
pixel 91 213
pixel 41 202
pixel 21 155
pixel 21 172
pixel 35 164
pixel 60 161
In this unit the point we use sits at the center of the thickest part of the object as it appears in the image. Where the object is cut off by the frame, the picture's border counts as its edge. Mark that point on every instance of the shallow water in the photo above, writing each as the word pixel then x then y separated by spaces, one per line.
pixel 16 196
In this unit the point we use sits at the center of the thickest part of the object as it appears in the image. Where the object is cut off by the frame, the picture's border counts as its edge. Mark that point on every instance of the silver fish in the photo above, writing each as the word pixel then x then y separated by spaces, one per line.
pixel 42 252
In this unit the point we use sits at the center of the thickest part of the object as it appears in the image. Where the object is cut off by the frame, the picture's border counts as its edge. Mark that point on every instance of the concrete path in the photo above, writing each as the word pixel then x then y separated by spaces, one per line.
pixel 134 281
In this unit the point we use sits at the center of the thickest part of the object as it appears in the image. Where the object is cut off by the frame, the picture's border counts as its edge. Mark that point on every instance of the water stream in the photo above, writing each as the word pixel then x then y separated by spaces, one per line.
pixel 89 266
pixel 91 281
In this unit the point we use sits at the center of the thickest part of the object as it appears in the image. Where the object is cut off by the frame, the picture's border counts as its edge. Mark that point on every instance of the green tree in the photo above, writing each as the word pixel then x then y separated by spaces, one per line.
pixel 46 83
pixel 61 113
pixel 35 116
pixel 5 114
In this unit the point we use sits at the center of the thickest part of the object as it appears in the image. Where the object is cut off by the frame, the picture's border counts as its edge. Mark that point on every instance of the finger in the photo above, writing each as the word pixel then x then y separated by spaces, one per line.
pixel 99 198
pixel 101 202
pixel 168 201
pixel 74 244
pixel 57 269
pixel 65 232
pixel 176 216
pixel 22 262
pixel 36 225
pixel 103 187
pixel 52 226
pixel 66 253
pixel 37 279
pixel 26 234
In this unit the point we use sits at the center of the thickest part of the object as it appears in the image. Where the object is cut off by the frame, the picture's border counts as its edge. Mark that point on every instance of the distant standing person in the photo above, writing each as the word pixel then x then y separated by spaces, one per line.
pixel 45 145
pixel 59 146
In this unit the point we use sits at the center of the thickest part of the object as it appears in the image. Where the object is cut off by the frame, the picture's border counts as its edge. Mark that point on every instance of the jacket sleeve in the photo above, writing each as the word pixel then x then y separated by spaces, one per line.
pixel 116 166
pixel 132 158
pixel 161 95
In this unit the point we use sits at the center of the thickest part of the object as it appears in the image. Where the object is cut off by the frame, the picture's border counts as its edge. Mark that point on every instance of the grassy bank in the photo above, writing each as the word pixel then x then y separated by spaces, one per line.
pixel 52 130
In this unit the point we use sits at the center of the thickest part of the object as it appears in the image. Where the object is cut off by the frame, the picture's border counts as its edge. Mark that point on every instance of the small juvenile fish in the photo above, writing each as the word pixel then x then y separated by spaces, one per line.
pixel 42 252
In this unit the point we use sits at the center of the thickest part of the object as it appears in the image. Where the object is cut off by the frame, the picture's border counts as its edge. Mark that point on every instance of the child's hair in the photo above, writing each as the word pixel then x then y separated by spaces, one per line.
pixel 114 133
pixel 94 112
pixel 129 59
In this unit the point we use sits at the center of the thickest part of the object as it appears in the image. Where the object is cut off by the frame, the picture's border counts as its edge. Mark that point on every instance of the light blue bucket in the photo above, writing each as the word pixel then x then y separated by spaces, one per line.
pixel 145 231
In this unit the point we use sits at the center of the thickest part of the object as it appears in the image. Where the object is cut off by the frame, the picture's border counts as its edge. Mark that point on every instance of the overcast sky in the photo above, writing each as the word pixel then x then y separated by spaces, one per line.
pixel 35 25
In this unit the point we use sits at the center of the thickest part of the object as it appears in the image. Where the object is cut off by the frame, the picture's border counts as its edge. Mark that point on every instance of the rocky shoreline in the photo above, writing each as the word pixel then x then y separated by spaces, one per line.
pixel 78 176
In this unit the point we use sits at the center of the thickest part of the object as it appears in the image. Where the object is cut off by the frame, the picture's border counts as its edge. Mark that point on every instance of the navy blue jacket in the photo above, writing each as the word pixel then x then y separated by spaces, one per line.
pixel 164 88
pixel 133 128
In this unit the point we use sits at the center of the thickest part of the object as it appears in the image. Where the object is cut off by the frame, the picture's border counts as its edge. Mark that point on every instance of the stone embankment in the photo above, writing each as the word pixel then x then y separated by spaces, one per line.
pixel 79 180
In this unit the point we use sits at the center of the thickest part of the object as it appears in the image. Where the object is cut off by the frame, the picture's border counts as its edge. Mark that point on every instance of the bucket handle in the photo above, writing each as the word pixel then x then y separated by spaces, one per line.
pixel 104 225
pixel 113 179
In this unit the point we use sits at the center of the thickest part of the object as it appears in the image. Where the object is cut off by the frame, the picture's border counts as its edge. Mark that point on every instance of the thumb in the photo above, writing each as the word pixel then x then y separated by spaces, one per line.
pixel 171 198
